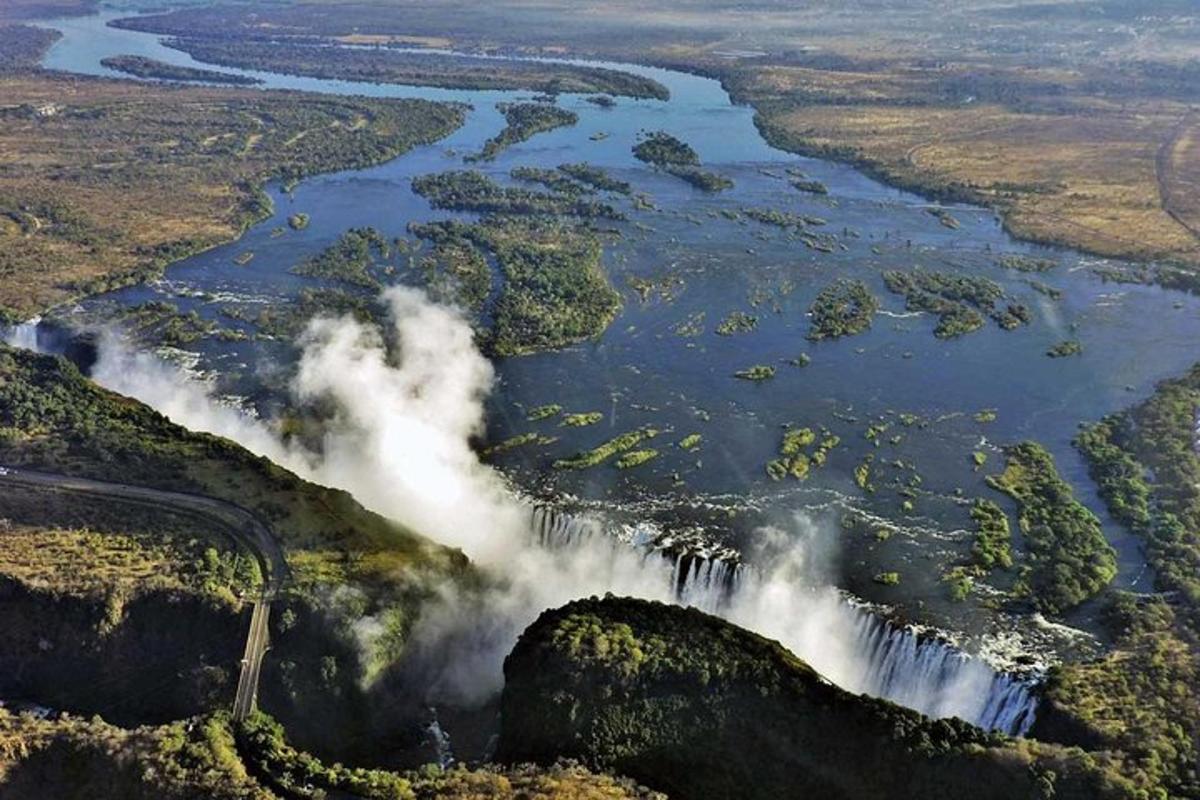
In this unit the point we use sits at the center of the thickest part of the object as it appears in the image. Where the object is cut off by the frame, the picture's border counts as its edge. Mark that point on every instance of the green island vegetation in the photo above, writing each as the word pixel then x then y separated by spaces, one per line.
pixel 808 185
pixel 959 301
pixel 984 416
pixel 552 179
pixel 1070 347
pixel 185 171
pixel 887 578
pixel 456 269
pixel 677 158
pixel 1022 263
pixel 959 582
pixel 993 539
pixel 1069 558
pixel 635 458
pixel 690 442
pixel 142 67
pixel 595 177
pixel 1143 697
pixel 298 222
pixel 519 440
pixel 843 308
pixel 737 322
pixel 781 219
pixel 153 323
pixel 543 412
pixel 598 455
pixel 1045 289
pixel 382 65
pixel 524 121
pixel 758 372
pixel 213 757
pixel 602 100
pixel 468 190
pixel 287 320
pixel 698 708
pixel 554 292
pixel 797 454
pixel 582 419
pixel 349 259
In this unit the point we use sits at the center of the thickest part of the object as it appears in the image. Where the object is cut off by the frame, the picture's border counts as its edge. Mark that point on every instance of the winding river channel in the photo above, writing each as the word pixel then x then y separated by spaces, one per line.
pixel 711 260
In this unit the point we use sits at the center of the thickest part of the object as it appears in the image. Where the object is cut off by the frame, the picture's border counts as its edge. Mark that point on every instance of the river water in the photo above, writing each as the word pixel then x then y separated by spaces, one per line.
pixel 642 372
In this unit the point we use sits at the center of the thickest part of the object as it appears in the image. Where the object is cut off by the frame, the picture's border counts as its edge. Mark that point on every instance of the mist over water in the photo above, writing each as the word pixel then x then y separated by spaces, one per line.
pixel 398 439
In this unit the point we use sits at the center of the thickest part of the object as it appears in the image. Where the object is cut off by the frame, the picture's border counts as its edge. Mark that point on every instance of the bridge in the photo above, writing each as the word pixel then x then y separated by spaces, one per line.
pixel 240 525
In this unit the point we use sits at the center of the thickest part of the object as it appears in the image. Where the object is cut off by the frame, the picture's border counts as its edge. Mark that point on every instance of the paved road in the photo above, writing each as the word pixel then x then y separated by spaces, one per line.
pixel 242 526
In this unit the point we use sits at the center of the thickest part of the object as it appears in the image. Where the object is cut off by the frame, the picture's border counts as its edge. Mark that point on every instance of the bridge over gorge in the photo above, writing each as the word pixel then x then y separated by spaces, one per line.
pixel 239 524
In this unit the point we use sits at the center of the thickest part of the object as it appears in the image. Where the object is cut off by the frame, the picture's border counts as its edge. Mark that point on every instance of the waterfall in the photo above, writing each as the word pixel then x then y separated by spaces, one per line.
pixel 935 678
pixel 23 335
pixel 858 650
pixel 439 740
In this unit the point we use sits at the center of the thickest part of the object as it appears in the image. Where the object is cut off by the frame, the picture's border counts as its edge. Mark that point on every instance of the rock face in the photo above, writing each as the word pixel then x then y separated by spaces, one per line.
pixel 699 708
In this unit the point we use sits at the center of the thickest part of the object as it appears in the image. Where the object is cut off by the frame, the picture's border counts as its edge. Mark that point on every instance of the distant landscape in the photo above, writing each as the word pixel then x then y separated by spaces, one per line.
pixel 699 400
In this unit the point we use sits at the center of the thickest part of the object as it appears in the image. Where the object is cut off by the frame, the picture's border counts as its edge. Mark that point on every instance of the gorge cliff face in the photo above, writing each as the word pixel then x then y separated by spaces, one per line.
pixel 698 708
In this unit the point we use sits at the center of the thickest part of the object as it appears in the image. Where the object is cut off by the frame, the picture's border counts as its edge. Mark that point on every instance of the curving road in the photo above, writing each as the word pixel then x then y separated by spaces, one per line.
pixel 238 523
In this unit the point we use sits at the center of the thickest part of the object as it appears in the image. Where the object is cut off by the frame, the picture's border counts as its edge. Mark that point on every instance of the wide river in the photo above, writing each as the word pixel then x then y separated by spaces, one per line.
pixel 643 372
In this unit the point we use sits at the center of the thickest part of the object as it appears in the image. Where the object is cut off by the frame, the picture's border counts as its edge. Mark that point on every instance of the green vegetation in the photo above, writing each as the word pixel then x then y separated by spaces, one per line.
pixel 759 372
pixel 959 301
pixel 598 455
pixel 1070 560
pixel 349 259
pixel 795 456
pixel 843 308
pixel 1141 699
pixel 554 290
pixel 663 150
pixel 635 458
pixel 582 419
pixel 552 179
pixel 214 758
pixel 518 440
pixel 1145 462
pixel 1022 263
pixel 690 442
pixel 181 171
pixel 810 186
pixel 737 322
pixel 544 412
pixel 288 320
pixel 595 177
pixel 698 708
pixel 887 578
pixel 524 121
pixel 677 158
pixel 142 67
pixel 298 222
pixel 993 539
pixel 381 65
pixel 463 190
pixel 1069 347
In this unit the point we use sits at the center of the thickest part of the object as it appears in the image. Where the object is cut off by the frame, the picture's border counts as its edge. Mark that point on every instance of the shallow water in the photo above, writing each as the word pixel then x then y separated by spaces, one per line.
pixel 642 373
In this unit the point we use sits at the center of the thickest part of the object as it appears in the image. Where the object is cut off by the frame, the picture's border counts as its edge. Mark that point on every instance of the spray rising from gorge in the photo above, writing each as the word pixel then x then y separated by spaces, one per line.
pixel 398 439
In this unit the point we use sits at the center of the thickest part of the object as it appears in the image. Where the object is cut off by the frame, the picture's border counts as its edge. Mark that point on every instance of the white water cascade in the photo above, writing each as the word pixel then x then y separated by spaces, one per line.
pixel 858 650
pixel 23 335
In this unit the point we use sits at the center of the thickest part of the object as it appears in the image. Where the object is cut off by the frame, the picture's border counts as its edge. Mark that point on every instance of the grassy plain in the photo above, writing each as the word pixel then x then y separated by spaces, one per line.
pixel 105 182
